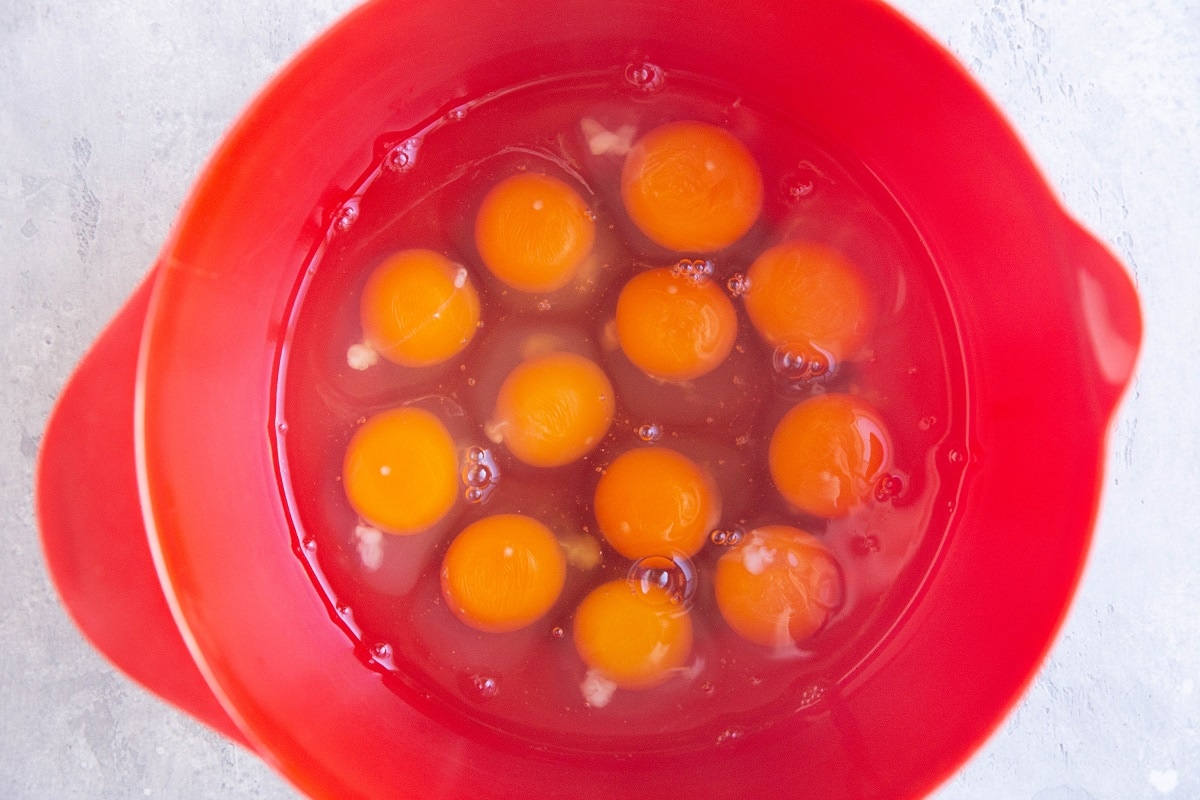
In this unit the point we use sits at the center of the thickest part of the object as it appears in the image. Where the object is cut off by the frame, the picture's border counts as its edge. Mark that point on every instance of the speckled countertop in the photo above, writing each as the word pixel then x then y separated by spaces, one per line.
pixel 109 107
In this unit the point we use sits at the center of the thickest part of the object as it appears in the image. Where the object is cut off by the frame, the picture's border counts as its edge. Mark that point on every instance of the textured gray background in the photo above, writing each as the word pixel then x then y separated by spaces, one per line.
pixel 109 107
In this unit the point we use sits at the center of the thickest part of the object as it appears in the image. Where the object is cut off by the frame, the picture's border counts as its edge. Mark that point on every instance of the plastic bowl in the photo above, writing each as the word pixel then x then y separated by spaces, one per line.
pixel 1048 324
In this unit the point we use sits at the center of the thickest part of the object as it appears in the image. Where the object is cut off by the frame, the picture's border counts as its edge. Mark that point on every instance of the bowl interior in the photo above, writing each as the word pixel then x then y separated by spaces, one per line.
pixel 1048 328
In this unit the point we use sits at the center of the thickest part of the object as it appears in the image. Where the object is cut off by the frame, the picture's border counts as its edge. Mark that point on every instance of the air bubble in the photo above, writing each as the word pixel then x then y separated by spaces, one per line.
pixel 557 632
pixel 345 217
pixel 398 160
pixel 811 695
pixel 342 610
pixel 796 187
pixel 955 456
pixel 738 284
pixel 696 270
pixel 309 544
pixel 479 475
pixel 645 76
pixel 282 427
pixel 730 735
pixel 650 432
pixel 403 156
pixel 707 687
pixel 457 114
pixel 729 537
pixel 926 423
pixel 381 651
pixel 485 686
pixel 887 487
pixel 801 183
pixel 543 305
pixel 865 545
pixel 674 576
pixel 800 363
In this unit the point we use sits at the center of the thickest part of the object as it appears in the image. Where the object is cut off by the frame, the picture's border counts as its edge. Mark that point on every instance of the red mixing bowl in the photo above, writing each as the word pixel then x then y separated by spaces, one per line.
pixel 181 386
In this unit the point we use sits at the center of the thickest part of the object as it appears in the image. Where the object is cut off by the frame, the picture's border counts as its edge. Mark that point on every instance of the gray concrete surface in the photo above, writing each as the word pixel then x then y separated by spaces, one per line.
pixel 109 107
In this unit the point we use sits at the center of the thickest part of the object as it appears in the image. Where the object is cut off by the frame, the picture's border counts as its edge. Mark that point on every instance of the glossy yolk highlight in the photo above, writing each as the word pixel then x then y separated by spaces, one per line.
pixel 691 187
pixel 419 308
pixel 827 454
pixel 503 573
pixel 400 472
pixel 808 296
pixel 634 640
pixel 553 409
pixel 674 327
pixel 654 501
pixel 534 232
pixel 778 587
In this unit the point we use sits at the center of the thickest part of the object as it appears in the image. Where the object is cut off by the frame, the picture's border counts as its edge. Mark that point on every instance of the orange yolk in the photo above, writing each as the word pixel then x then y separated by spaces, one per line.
pixel 533 232
pixel 419 308
pixel 553 409
pixel 401 471
pixel 674 327
pixel 778 587
pixel 654 501
pixel 633 639
pixel 827 454
pixel 691 187
pixel 808 296
pixel 503 572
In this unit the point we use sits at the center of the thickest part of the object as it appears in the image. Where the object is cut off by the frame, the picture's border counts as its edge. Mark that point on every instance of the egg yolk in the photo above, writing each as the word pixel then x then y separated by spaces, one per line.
pixel 400 472
pixel 827 454
pixel 674 327
pixel 654 501
pixel 808 296
pixel 534 232
pixel 778 587
pixel 553 409
pixel 633 639
pixel 691 187
pixel 503 573
pixel 419 308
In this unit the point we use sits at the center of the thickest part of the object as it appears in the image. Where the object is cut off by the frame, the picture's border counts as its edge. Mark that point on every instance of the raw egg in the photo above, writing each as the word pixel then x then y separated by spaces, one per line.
pixel 809 297
pixel 778 586
pixel 827 454
pixel 419 308
pixel 691 187
pixel 503 573
pixel 655 501
pixel 534 232
pixel 674 327
pixel 400 472
pixel 634 639
pixel 553 409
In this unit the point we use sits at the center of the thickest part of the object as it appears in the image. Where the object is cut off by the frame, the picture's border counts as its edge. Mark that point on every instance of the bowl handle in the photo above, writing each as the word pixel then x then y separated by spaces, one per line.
pixel 91 524
pixel 1112 317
